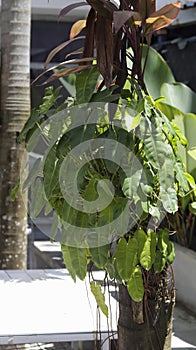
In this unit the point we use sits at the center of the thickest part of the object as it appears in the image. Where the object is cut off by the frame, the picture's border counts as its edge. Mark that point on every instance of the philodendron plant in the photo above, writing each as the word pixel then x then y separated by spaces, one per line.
pixel 109 169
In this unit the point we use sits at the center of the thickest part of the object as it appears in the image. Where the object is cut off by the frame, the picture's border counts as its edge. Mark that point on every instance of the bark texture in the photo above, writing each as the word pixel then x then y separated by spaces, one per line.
pixel 14 111
pixel 147 325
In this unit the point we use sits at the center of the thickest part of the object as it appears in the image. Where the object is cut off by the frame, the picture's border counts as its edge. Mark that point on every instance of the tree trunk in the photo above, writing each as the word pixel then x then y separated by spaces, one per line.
pixel 147 325
pixel 14 111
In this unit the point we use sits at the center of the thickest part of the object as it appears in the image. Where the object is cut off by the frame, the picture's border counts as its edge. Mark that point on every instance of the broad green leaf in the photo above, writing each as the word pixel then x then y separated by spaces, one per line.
pixel 156 73
pixel 135 285
pixel 99 297
pixel 34 118
pixel 132 182
pixel 155 148
pixel 14 190
pixel 170 252
pixel 68 261
pixel 160 262
pixel 180 135
pixel 126 257
pixel 100 255
pixel 148 254
pixel 106 95
pixel 33 173
pixel 170 111
pixel 163 239
pixel 180 96
pixel 37 197
pixel 166 174
pixel 85 85
pixel 169 199
pixel 181 177
pixel 75 260
pixel 141 237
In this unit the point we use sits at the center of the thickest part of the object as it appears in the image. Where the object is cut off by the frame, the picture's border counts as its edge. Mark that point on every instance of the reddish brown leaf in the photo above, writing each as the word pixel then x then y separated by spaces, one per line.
pixel 90 33
pixel 66 72
pixel 163 17
pixel 146 8
pixel 76 52
pixel 69 8
pixel 121 17
pixel 104 8
pixel 59 48
pixel 104 43
pixel 77 28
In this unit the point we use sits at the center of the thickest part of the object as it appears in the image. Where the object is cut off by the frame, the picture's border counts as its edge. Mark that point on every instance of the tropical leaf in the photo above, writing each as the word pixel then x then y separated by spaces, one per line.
pixel 71 7
pixel 169 199
pixel 121 17
pixel 34 172
pixel 99 297
pixel 37 197
pixel 135 285
pixel 179 96
pixel 163 17
pixel 126 257
pixel 59 48
pixel 141 237
pixel 100 254
pixel 148 253
pixel 77 27
pixel 157 71
pixel 170 253
pixel 160 262
pixel 85 85
pixel 30 123
pixel 75 260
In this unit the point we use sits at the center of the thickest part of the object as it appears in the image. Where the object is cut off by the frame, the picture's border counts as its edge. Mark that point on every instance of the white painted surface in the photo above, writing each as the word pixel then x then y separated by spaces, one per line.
pixel 47 306
pixel 185 276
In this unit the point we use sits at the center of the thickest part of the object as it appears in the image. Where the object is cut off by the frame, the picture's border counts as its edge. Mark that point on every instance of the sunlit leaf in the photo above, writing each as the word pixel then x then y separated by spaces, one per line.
pixel 170 252
pixel 148 254
pixel 14 191
pixel 77 28
pixel 163 17
pixel 135 285
pixel 99 297
pixel 126 257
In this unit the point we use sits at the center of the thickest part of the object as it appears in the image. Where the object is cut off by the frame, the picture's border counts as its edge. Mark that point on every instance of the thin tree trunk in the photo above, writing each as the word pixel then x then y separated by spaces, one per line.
pixel 147 325
pixel 14 111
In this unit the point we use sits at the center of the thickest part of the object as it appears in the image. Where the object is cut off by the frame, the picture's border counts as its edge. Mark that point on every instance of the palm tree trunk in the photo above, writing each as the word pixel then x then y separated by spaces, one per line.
pixel 15 109
pixel 147 325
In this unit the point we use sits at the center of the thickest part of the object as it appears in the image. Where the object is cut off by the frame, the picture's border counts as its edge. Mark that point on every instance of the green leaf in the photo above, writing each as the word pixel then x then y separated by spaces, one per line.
pixel 131 183
pixel 37 197
pixel 14 190
pixel 169 199
pixel 68 261
pixel 135 285
pixel 86 82
pixel 180 176
pixel 54 228
pixel 100 255
pixel 33 173
pixel 155 148
pixel 99 297
pixel 179 96
pixel 160 262
pixel 75 260
pixel 126 257
pixel 148 253
pixel 33 119
pixel 50 98
pixel 141 237
pixel 156 73
pixel 163 239
pixel 170 252
pixel 105 95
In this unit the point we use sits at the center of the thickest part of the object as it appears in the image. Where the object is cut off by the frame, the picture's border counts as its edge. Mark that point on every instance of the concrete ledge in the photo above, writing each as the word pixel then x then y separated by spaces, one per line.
pixel 185 276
